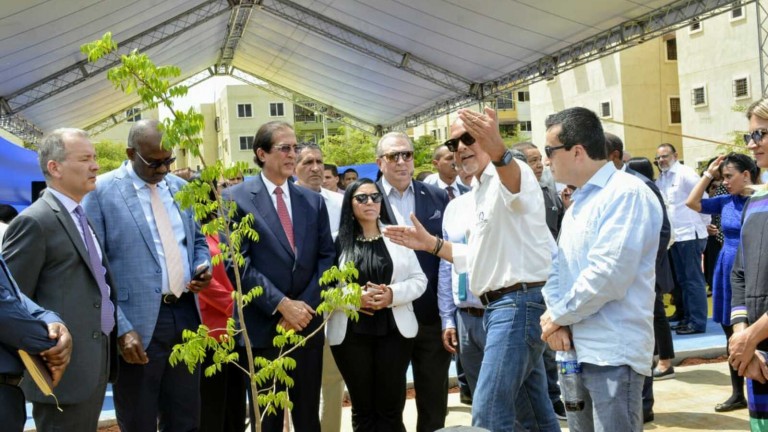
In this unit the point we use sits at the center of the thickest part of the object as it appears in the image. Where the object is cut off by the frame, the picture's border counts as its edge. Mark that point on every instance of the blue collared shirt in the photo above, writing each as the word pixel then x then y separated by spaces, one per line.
pixel 403 204
pixel 143 193
pixel 602 278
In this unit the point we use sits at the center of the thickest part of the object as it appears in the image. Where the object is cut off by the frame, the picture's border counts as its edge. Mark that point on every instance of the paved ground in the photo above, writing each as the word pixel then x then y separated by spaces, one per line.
pixel 682 404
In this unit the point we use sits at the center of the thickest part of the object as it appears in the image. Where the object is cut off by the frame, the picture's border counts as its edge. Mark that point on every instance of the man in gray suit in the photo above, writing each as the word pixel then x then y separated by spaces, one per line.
pixel 58 262
pixel 154 249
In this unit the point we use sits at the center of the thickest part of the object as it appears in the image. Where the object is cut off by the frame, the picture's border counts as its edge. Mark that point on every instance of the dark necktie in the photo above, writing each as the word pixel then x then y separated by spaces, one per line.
pixel 285 218
pixel 451 195
pixel 107 308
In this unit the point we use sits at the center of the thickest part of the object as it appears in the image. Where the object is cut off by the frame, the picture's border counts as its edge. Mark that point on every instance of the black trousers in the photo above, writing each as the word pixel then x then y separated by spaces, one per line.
pixel 12 410
pixel 430 362
pixel 305 393
pixel 222 399
pixel 661 331
pixel 374 369
pixel 156 396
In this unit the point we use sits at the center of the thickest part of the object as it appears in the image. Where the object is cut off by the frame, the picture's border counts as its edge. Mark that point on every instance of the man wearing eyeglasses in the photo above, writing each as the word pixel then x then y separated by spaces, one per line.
pixel 153 249
pixel 690 228
pixel 507 257
pixel 294 249
pixel 403 197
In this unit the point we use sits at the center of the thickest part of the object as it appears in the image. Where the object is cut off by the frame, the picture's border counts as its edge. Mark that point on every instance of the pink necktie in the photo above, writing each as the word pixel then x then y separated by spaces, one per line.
pixel 285 218
pixel 173 264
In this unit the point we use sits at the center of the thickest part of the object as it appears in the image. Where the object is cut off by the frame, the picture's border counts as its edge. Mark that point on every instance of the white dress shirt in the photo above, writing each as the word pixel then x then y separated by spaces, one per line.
pixel 286 193
pixel 333 202
pixel 675 185
pixel 509 241
pixel 403 204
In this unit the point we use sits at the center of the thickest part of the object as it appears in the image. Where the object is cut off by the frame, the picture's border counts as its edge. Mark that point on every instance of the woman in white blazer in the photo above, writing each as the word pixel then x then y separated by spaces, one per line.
pixel 373 353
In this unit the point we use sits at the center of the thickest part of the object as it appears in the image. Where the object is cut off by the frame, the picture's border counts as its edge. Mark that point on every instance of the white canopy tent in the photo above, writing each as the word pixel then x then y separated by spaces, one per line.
pixel 378 64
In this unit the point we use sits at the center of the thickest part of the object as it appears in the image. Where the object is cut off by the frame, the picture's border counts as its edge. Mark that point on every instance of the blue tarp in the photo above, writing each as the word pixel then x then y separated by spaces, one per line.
pixel 18 169
pixel 368 170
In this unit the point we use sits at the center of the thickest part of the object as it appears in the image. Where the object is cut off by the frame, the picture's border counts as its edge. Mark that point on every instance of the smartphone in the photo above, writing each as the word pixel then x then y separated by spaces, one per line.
pixel 200 272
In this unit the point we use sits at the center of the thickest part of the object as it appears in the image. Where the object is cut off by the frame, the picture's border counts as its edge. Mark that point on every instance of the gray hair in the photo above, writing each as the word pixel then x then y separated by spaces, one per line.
pixel 308 146
pixel 52 147
pixel 393 135
pixel 140 130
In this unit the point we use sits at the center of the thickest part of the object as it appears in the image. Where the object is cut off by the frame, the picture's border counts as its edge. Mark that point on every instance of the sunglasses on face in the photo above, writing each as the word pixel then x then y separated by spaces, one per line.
pixel 406 156
pixel 549 150
pixel 453 143
pixel 286 148
pixel 157 164
pixel 756 136
pixel 363 198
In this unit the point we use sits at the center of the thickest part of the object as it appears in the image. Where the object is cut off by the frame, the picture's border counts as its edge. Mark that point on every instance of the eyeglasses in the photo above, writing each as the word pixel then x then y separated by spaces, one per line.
pixel 157 164
pixel 756 136
pixel 363 198
pixel 550 150
pixel 287 148
pixel 661 157
pixel 453 143
pixel 406 156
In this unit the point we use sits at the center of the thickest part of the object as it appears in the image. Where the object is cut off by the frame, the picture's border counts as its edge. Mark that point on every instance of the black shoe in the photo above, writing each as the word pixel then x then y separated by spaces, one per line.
pixel 465 398
pixel 731 405
pixel 667 374
pixel 647 417
pixel 559 410
pixel 678 326
pixel 688 330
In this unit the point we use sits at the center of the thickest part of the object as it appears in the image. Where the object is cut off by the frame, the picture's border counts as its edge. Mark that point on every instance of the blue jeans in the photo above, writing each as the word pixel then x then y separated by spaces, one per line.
pixel 512 387
pixel 471 334
pixel 687 261
pixel 613 400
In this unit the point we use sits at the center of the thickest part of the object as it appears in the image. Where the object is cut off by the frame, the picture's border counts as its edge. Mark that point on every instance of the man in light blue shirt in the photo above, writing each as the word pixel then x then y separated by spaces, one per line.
pixel 600 291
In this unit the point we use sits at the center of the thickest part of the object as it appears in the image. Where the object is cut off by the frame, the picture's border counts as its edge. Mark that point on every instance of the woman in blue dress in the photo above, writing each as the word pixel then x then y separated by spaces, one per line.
pixel 738 172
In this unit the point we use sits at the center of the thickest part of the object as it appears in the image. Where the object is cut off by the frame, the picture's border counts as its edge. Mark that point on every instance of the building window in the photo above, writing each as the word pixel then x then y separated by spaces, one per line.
pixel 525 126
pixel 699 96
pixel 671 49
pixel 244 111
pixel 133 115
pixel 276 109
pixel 605 109
pixel 674 110
pixel 695 26
pixel 741 87
pixel 738 14
pixel 505 101
pixel 301 114
pixel 246 142
pixel 523 96
pixel 217 124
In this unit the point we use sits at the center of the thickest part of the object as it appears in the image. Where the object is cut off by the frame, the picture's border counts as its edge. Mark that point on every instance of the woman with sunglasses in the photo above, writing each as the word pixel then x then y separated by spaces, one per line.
pixel 373 353
pixel 738 173
pixel 749 281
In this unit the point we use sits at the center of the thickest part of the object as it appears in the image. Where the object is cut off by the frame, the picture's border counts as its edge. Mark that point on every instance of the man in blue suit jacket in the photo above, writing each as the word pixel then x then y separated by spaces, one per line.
pixel 294 249
pixel 133 211
pixel 430 361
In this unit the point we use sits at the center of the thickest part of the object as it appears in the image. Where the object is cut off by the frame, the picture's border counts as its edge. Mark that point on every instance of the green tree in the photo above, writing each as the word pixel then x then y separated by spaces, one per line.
pixel 423 150
pixel 109 155
pixel 348 147
pixel 137 73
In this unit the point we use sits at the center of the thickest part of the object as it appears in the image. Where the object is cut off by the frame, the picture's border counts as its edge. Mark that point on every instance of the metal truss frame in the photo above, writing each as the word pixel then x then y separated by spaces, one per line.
pixel 306 102
pixel 122 115
pixel 82 70
pixel 762 40
pixel 366 44
pixel 238 21
pixel 615 39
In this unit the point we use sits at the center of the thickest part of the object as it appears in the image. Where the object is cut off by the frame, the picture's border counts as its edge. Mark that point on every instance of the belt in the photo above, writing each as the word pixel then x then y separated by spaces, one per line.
pixel 492 296
pixel 12 380
pixel 472 311
pixel 170 299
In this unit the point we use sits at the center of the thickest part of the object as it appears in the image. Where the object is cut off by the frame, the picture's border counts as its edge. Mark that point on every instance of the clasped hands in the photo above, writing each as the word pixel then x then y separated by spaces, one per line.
pixel 743 357
pixel 375 296
pixel 296 314
pixel 558 338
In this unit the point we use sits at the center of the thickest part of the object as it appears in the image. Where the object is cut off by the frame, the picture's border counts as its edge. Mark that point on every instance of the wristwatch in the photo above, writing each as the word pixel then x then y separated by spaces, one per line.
pixel 506 158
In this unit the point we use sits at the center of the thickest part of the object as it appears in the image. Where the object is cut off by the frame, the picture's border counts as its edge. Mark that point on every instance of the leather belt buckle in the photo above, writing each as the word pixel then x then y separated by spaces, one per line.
pixel 474 312
pixel 170 299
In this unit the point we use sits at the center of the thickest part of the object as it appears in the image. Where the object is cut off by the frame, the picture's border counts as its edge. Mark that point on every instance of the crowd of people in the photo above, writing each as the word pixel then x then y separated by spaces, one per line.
pixel 496 260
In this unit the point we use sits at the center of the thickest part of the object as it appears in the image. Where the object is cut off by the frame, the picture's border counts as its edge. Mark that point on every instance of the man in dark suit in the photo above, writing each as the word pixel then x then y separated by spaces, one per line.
pixel 25 325
pixel 664 280
pixel 154 248
pixel 403 196
pixel 58 262
pixel 293 251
